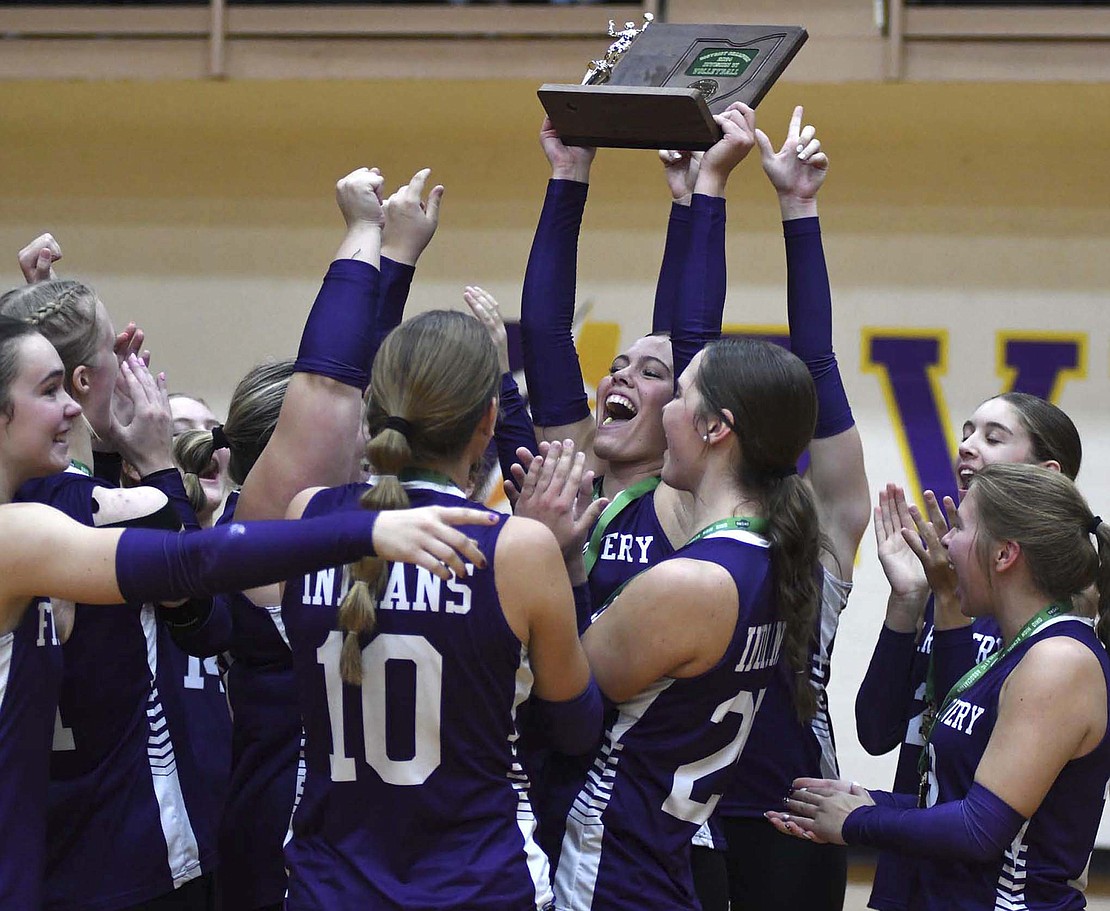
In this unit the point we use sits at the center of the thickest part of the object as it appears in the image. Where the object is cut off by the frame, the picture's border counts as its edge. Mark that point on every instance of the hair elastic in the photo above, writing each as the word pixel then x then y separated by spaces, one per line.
pixel 784 472
pixel 219 438
pixel 402 426
pixel 1092 528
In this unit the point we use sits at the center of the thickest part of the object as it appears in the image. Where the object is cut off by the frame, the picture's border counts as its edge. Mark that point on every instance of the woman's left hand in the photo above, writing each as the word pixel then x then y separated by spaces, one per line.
pixel 817 807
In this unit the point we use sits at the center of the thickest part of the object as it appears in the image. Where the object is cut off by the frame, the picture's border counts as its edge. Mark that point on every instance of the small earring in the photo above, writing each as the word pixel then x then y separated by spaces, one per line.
pixel 706 438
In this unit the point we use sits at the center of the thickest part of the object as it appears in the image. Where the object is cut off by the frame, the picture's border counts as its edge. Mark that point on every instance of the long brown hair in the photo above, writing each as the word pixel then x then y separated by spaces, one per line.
pixel 771 398
pixel 433 379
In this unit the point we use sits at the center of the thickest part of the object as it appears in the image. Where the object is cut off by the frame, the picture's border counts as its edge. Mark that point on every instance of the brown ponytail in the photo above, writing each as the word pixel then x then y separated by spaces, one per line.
pixel 773 406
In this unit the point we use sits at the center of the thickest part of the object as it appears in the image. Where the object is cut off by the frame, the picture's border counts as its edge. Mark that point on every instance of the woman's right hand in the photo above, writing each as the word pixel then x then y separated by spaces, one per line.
pixel 141 422
pixel 427 537
pixel 567 162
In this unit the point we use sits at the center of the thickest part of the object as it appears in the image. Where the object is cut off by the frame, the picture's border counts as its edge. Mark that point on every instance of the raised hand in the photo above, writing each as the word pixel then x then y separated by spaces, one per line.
pixel 556 489
pixel 140 420
pixel 909 587
pixel 359 196
pixel 411 219
pixel 567 162
pixel 798 169
pixel 681 171
pixel 737 124
pixel 36 260
pixel 484 307
pixel 129 342
pixel 925 542
pixel 428 537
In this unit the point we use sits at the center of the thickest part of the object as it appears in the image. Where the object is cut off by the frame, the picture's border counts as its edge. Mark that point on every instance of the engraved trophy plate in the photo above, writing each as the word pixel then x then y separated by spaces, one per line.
pixel 660 85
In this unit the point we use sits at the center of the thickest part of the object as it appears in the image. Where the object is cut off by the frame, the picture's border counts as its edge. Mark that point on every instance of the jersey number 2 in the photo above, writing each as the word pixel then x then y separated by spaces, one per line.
pixel 428 664
pixel 680 802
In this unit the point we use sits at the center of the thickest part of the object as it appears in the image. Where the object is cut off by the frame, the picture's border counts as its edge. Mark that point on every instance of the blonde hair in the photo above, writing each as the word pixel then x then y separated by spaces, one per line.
pixel 65 313
pixel 433 379
pixel 251 419
pixel 1045 514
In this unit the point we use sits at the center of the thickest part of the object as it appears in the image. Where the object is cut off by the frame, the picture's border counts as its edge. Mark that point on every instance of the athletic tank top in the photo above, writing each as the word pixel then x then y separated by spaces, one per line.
pixel 667 753
pixel 267 769
pixel 30 678
pixel 633 541
pixel 1045 865
pixel 414 797
pixel 896 875
pixel 781 748
pixel 130 814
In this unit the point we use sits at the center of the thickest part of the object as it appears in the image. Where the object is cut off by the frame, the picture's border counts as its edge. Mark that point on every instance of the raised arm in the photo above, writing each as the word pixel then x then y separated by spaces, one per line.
pixel 887 689
pixel 681 170
pixel 411 220
pixel 514 425
pixel 316 438
pixel 836 472
pixel 700 303
pixel 560 407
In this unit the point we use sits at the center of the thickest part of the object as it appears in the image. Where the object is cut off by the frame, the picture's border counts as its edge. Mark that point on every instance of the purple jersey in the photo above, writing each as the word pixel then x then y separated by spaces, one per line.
pixel 129 814
pixel 267 768
pixel 633 541
pixel 1046 864
pixel 668 752
pixel 414 797
pixel 896 874
pixel 30 677
pixel 780 747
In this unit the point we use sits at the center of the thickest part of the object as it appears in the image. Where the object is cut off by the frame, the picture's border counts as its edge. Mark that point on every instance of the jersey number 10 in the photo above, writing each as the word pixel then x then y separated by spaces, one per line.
pixel 428 664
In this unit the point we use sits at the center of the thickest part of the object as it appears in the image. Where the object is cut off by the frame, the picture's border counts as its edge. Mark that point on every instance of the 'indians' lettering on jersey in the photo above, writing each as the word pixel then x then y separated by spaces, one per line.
pixel 328 588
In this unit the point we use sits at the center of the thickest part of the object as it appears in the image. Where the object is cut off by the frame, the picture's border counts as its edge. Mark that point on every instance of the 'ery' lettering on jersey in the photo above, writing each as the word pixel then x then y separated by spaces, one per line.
pixel 327 588
pixel 626 548
pixel 961 716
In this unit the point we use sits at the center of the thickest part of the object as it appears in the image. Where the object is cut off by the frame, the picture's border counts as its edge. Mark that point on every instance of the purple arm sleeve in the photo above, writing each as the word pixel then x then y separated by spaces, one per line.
pixel 809 309
pixel 338 336
pixel 555 388
pixel 168 480
pixel 700 306
pixel 396 281
pixel 514 426
pixel 977 828
pixel 572 727
pixel 670 272
pixel 163 566
pixel 894 799
pixel 884 693
pixel 955 652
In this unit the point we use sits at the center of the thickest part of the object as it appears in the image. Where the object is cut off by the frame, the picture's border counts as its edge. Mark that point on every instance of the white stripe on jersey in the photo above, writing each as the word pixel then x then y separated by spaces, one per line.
pixel 274 610
pixel 1010 892
pixel 7 644
pixel 538 866
pixel 580 855
pixel 182 850
pixel 834 598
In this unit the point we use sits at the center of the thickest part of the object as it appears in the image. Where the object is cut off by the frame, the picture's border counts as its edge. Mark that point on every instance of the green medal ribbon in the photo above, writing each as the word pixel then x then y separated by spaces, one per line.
pixel 738 523
pixel 976 674
pixel 619 503
pixel 81 467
